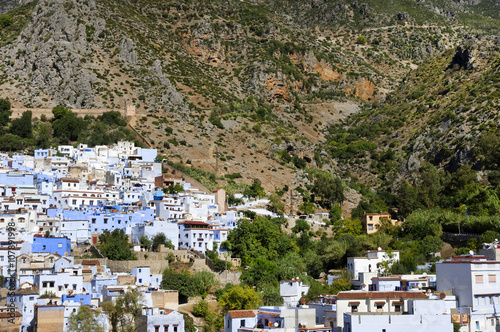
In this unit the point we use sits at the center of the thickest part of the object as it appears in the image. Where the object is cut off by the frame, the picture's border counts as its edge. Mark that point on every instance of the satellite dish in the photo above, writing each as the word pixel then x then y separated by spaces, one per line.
pixel 276 324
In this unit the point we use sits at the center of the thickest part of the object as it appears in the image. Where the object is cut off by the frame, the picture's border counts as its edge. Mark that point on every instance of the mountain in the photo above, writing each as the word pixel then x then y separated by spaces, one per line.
pixel 262 88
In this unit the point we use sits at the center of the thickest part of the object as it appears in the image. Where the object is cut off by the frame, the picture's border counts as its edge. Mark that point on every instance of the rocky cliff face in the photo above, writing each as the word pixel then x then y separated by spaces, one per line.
pixel 229 73
pixel 48 54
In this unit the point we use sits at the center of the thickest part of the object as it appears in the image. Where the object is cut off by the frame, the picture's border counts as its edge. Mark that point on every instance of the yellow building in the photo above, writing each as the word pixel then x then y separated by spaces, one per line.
pixel 373 221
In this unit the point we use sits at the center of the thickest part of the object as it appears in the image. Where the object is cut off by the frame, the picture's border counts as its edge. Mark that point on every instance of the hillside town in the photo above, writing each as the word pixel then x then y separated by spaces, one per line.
pixel 56 205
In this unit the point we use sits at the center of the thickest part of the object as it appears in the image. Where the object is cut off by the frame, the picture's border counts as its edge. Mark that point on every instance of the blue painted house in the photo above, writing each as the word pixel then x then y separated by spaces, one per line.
pixel 59 245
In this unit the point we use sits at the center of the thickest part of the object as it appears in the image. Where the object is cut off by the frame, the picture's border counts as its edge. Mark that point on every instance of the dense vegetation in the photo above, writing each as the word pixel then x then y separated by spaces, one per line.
pixel 26 133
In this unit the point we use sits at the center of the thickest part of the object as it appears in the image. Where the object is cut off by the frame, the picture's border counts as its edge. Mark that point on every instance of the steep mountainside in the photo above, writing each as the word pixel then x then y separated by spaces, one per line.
pixel 227 86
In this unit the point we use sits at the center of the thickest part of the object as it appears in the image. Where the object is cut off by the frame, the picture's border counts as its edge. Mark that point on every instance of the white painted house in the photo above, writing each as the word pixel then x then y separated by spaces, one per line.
pixel 291 291
pixel 363 269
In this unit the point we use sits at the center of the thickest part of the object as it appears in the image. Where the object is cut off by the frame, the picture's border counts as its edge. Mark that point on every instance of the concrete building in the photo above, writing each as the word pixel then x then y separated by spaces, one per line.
pixel 240 319
pixel 291 291
pixel 195 235
pixel 393 303
pixel 422 315
pixel 373 221
pixel 160 320
pixel 475 281
pixel 363 269
pixel 58 245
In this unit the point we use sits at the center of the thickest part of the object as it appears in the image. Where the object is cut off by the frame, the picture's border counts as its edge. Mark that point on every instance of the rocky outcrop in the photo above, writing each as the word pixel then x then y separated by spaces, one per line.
pixel 128 52
pixel 170 97
pixel 8 5
pixel 48 54
pixel 465 55
pixel 204 44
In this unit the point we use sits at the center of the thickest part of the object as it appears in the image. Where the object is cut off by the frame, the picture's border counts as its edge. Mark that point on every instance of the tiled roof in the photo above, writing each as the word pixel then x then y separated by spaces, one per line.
pixel 91 262
pixel 241 313
pixel 267 313
pixel 9 314
pixel 380 295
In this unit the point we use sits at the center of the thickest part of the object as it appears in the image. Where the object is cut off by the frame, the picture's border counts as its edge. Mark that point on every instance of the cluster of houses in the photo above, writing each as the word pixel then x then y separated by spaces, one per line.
pixel 56 200
pixel 465 292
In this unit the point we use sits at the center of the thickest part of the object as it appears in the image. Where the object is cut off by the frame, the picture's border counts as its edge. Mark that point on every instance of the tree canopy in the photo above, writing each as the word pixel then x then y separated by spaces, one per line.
pixel 115 246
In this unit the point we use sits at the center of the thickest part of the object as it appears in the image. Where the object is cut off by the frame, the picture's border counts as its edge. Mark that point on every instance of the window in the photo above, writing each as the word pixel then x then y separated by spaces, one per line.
pixel 397 308
pixel 242 323
pixel 105 220
pixel 479 279
pixel 492 278
pixel 165 328
pixel 175 328
pixel 59 245
pixel 74 202
pixel 93 220
pixel 354 308
pixel 157 328
pixel 370 227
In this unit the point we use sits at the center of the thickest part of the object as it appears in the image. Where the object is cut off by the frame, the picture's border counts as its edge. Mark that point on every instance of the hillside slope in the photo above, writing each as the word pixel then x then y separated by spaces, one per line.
pixel 226 86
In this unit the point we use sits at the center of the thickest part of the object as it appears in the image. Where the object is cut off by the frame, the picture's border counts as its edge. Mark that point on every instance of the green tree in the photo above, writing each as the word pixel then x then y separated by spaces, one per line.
pixel 431 185
pixel 301 226
pixel 407 198
pixel 113 119
pixel 239 298
pixel 5 112
pixel 144 240
pixel 5 20
pixel 179 281
pixel 261 271
pixel 259 238
pixel 271 295
pixel 430 244
pixel 44 136
pixel 389 259
pixel 361 40
pixel 115 246
pixel 22 127
pixel 276 205
pixel 329 189
pixel 203 281
pixel 335 213
pixel 342 283
pixel 67 125
pixel 159 239
pixel 307 208
pixel 489 236
pixel 124 312
pixel 85 320
pixel 200 309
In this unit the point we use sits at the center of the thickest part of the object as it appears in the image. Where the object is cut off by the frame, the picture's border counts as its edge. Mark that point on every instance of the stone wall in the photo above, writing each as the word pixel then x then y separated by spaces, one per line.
pixel 128 112
pixel 157 265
